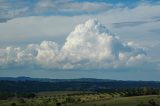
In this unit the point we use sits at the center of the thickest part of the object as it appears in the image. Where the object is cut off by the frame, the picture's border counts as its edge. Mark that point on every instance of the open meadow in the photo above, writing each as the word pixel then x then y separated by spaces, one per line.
pixel 78 98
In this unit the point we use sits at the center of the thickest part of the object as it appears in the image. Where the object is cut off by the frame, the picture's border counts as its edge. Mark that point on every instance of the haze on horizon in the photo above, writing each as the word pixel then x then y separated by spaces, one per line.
pixel 108 39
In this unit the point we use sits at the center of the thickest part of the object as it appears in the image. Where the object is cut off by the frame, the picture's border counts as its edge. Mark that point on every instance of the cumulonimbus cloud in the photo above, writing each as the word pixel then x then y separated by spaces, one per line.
pixel 90 46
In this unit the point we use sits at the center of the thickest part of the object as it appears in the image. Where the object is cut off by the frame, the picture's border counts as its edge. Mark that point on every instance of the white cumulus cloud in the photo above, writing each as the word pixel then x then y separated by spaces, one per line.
pixel 90 46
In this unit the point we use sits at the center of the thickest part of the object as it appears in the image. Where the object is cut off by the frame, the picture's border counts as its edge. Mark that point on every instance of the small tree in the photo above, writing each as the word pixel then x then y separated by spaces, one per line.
pixel 58 104
pixel 70 100
pixel 104 105
pixel 13 104
pixel 152 102
pixel 21 100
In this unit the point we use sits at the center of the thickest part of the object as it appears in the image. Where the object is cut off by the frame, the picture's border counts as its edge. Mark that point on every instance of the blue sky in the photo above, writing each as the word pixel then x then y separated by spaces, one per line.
pixel 116 39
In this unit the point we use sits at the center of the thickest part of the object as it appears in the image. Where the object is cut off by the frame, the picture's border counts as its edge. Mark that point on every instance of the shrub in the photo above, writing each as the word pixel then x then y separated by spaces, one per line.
pixel 13 104
pixel 21 100
pixel 152 102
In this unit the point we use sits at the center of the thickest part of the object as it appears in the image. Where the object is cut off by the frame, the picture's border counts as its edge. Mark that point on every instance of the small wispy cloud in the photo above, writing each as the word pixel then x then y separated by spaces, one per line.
pixel 128 24
pixel 133 23
pixel 22 8
pixel 70 7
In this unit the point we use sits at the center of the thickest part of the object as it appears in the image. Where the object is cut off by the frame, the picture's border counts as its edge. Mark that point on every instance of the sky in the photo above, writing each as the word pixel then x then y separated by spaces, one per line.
pixel 105 39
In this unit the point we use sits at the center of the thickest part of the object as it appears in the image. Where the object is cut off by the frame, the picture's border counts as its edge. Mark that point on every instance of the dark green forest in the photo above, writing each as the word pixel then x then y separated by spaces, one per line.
pixel 78 92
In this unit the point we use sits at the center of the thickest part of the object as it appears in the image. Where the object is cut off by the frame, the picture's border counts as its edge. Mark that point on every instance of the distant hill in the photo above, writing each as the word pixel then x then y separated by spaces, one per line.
pixel 27 84
pixel 23 78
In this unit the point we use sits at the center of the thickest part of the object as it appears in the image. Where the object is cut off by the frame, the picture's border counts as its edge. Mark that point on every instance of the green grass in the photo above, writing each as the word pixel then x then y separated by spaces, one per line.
pixel 80 99
pixel 122 101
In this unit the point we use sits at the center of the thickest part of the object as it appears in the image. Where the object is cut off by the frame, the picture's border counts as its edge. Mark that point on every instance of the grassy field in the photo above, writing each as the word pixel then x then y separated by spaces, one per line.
pixel 60 93
pixel 123 101
pixel 76 98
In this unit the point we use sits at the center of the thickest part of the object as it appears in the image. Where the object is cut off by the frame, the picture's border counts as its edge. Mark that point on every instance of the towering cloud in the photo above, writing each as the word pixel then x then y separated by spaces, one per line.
pixel 90 46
